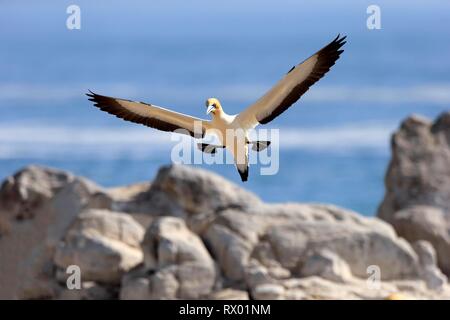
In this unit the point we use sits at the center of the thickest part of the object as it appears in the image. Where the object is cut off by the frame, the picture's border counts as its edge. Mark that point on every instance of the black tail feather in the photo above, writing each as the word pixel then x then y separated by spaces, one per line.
pixel 243 174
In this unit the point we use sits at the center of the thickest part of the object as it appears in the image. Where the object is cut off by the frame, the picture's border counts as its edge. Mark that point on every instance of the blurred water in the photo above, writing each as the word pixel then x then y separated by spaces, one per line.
pixel 334 143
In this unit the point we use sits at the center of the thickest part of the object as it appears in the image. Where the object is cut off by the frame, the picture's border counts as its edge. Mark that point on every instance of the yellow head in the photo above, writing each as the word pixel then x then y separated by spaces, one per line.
pixel 213 106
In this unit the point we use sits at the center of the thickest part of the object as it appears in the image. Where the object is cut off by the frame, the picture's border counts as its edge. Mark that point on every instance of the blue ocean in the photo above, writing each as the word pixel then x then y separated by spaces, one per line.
pixel 334 143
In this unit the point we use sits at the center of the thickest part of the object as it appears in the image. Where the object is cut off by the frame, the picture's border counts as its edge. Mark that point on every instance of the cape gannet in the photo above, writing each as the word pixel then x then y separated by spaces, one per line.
pixel 279 98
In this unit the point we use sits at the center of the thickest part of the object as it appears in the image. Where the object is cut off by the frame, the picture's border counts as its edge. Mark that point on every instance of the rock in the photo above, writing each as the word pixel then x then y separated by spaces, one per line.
pixel 24 193
pixel 228 294
pixel 191 187
pixel 268 292
pixel 37 205
pixel 256 274
pixel 426 253
pixel 398 296
pixel 291 231
pixel 164 284
pixel 326 264
pixel 131 199
pixel 178 264
pixel 129 193
pixel 135 285
pixel 168 241
pixel 206 238
pixel 89 291
pixel 104 244
pixel 147 284
pixel 264 254
pixel 190 193
pixel 317 288
pixel 430 273
pixel 422 222
pixel 417 198
pixel 29 189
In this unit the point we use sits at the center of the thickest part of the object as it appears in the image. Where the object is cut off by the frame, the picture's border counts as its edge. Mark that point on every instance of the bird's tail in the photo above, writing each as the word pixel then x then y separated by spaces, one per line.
pixel 243 172
pixel 241 161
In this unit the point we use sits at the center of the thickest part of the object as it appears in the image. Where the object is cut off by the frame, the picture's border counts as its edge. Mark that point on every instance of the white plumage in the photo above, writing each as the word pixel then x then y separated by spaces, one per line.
pixel 279 98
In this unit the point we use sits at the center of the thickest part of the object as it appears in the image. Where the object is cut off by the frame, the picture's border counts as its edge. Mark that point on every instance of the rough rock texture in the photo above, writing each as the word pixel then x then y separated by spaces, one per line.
pixel 417 199
pixel 228 294
pixel 193 235
pixel 103 244
pixel 89 291
pixel 319 288
pixel 282 236
pixel 178 261
pixel 37 205
pixel 192 194
pixel 429 271
pixel 327 265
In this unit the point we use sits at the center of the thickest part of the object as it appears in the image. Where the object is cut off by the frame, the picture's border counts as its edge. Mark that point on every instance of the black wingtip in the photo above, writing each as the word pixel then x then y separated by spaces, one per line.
pixel 90 94
pixel 338 43
pixel 340 40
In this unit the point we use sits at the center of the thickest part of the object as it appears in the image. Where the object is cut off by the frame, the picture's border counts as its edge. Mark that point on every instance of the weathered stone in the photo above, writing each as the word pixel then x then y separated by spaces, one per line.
pixel 202 244
pixel 417 198
pixel 29 189
pixel 181 265
pixel 88 291
pixel 138 289
pixel 256 274
pixel 317 288
pixel 190 193
pixel 229 294
pixel 104 244
pixel 429 271
pixel 268 292
pixel 291 231
pixel 326 264
pixel 37 205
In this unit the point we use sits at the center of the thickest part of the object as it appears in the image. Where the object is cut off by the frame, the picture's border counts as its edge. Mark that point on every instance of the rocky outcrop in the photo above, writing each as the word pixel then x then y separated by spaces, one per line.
pixel 429 272
pixel 192 194
pixel 104 244
pixel 327 265
pixel 177 264
pixel 37 206
pixel 191 234
pixel 417 199
pixel 277 244
pixel 282 237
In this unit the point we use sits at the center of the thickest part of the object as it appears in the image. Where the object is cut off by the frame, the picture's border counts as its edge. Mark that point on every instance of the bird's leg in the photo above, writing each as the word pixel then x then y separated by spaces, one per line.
pixel 259 145
pixel 208 148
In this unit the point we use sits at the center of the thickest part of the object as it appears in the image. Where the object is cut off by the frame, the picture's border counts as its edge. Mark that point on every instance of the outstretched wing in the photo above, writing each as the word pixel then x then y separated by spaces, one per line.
pixel 150 115
pixel 292 86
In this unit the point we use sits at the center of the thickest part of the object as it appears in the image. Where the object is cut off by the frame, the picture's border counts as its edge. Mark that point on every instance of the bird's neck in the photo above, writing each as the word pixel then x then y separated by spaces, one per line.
pixel 219 114
pixel 221 118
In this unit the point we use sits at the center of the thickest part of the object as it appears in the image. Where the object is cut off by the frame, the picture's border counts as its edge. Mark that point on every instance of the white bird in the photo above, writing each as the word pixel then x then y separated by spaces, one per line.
pixel 279 98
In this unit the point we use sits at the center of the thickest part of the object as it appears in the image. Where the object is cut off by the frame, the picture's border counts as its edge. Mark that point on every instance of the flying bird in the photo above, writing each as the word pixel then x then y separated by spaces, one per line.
pixel 274 102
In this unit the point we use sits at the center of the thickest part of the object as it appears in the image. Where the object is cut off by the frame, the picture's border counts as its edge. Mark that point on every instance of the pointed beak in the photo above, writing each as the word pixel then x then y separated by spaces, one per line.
pixel 210 108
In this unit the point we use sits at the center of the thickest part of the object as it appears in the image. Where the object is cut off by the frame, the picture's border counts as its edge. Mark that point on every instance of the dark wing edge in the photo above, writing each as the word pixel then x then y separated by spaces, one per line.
pixel 112 106
pixel 327 57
